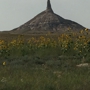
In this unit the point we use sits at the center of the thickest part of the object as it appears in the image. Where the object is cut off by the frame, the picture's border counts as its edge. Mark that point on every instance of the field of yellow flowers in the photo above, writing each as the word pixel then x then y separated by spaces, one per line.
pixel 45 62
pixel 68 44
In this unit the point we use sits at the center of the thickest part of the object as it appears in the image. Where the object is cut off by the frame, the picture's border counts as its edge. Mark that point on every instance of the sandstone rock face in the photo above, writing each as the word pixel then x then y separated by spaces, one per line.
pixel 47 21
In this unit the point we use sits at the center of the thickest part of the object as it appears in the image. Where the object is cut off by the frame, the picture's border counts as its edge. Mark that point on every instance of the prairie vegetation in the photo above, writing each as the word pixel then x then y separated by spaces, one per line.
pixel 45 62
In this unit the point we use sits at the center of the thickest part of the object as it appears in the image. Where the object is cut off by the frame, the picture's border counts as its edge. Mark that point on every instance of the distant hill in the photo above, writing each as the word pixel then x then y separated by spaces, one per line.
pixel 47 21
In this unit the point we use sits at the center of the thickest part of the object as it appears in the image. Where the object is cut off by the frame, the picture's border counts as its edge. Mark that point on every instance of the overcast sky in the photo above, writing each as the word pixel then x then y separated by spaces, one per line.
pixel 14 13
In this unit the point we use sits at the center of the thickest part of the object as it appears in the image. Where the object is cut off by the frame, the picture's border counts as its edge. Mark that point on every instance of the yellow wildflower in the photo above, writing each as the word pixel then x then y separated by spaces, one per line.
pixel 86 29
pixel 4 63
pixel 81 31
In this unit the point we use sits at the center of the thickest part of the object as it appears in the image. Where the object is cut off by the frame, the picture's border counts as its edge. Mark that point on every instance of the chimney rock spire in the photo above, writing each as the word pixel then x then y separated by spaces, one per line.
pixel 49 8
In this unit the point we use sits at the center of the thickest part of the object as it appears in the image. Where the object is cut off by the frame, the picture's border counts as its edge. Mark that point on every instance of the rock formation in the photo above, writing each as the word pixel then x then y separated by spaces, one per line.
pixel 47 21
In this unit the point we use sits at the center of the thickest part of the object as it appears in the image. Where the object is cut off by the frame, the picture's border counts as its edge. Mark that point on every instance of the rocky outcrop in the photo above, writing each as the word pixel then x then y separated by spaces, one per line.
pixel 47 21
pixel 83 65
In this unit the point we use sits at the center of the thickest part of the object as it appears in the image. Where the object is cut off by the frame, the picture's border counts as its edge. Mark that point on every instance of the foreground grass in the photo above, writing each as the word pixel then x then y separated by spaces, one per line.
pixel 40 73
pixel 44 78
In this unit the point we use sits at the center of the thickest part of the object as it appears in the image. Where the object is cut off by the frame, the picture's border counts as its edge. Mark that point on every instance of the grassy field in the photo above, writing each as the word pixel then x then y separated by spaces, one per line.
pixel 45 62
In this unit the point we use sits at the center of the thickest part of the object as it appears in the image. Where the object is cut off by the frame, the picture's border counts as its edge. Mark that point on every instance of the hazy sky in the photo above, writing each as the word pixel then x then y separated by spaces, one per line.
pixel 14 13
